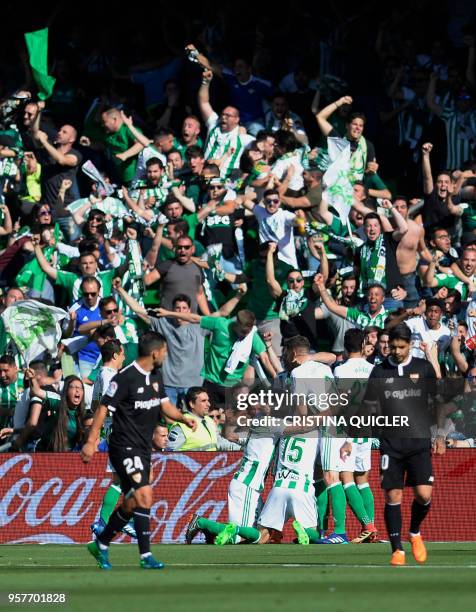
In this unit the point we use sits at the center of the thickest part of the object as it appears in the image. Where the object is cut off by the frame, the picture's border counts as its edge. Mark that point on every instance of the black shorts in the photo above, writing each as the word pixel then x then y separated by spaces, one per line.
pixel 397 471
pixel 132 466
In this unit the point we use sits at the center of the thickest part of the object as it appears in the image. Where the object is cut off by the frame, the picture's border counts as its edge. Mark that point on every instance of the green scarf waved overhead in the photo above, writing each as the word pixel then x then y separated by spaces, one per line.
pixel 372 264
pixel 37 45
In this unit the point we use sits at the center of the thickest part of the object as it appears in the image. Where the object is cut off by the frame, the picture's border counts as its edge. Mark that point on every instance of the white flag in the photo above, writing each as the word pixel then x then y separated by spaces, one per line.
pixel 34 327
pixel 338 190
pixel 109 206
pixel 90 170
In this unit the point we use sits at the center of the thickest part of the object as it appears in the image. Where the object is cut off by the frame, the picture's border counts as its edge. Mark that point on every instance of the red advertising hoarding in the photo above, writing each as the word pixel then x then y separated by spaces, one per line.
pixel 54 498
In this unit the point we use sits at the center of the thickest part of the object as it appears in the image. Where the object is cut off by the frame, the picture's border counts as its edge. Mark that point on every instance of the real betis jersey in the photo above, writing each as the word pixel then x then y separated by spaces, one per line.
pixel 452 282
pixel 219 144
pixel 9 395
pixel 460 136
pixel 100 387
pixel 158 192
pixel 102 382
pixel 297 455
pixel 257 456
pixel 133 286
pixel 356 367
pixel 363 319
pixel 310 382
pixel 352 377
pixel 182 147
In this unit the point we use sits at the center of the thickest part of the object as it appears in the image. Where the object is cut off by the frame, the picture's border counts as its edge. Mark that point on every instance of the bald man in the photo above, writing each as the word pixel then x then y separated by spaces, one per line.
pixel 59 171
pixel 124 142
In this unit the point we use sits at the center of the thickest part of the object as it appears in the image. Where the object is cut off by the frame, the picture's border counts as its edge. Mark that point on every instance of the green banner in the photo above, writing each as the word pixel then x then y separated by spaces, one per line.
pixel 37 45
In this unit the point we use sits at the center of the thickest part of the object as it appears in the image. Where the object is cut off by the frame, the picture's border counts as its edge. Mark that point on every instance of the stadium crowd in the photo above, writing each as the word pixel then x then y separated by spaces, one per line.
pixel 197 196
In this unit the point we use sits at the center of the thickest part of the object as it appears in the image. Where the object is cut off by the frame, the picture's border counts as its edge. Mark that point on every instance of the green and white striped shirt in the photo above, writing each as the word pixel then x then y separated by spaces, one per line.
pixel 363 319
pixel 297 455
pixel 460 136
pixel 453 282
pixel 219 143
pixel 257 456
pixel 9 395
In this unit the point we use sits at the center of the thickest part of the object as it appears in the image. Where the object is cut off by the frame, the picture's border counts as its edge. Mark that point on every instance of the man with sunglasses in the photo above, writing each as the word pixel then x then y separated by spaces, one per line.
pixel 87 311
pixel 374 314
pixel 180 275
pixel 88 266
pixel 219 216
pixel 295 306
pixel 275 224
pixel 225 143
pixel 124 329
pixel 178 224
pixel 33 119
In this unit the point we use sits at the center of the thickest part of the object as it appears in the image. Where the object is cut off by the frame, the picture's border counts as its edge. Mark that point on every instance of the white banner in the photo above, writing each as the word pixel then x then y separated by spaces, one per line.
pixel 34 327
pixel 338 190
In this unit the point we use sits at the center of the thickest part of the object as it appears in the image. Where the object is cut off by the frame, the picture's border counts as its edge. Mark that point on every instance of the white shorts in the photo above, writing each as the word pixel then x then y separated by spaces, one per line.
pixel 283 504
pixel 329 449
pixel 244 504
pixel 360 457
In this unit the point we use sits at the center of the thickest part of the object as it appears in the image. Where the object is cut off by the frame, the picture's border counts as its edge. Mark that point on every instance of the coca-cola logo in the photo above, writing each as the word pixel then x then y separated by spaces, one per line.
pixel 195 498
pixel 54 498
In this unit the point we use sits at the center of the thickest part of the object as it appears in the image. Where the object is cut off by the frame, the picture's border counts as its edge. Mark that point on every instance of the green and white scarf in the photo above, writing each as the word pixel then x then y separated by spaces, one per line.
pixel 293 304
pixel 8 167
pixel 358 161
pixel 372 264
pixel 304 154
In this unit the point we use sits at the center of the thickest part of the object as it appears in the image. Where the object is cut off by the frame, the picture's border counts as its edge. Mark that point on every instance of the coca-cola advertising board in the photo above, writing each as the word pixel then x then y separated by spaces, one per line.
pixel 54 498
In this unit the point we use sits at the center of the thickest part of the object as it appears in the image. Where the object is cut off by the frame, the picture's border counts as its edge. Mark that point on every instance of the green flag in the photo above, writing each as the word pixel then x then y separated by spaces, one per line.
pixel 37 44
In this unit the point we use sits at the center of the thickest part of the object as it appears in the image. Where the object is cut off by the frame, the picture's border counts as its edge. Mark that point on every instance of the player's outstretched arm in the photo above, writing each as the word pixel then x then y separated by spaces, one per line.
pixel 185 316
pixel 173 413
pixel 89 448
pixel 323 357
pixel 331 304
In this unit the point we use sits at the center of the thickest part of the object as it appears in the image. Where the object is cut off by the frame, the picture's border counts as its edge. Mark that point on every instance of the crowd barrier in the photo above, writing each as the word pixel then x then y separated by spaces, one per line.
pixel 54 498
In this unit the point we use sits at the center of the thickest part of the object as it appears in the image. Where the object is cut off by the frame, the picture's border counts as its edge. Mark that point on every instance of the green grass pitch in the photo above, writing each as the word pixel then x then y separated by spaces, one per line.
pixel 202 578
